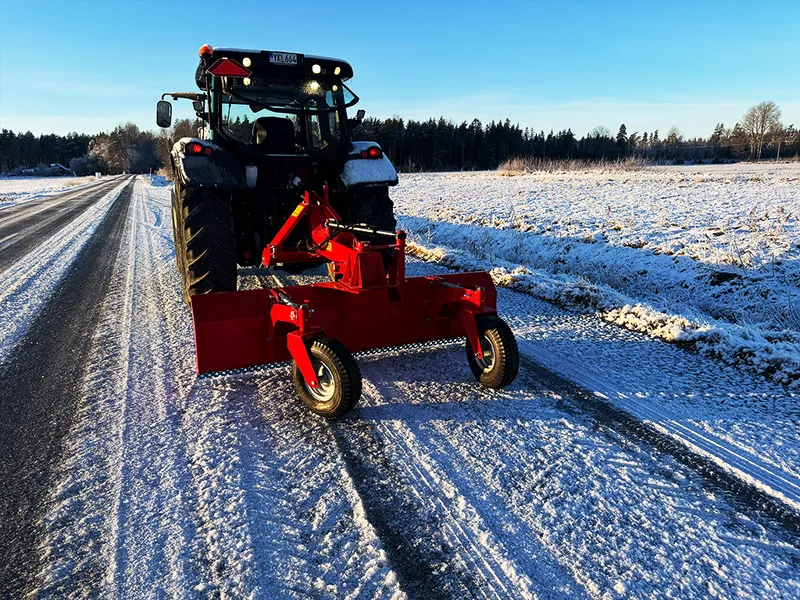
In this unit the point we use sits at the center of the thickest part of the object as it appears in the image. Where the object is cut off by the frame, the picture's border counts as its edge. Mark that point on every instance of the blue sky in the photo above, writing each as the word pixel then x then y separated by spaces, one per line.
pixel 88 65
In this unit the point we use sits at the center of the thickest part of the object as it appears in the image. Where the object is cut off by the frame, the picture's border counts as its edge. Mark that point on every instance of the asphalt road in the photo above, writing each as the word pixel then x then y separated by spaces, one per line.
pixel 37 406
pixel 28 225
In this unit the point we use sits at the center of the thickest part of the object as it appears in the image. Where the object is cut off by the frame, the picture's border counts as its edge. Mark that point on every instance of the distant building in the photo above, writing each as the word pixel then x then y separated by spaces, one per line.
pixel 59 169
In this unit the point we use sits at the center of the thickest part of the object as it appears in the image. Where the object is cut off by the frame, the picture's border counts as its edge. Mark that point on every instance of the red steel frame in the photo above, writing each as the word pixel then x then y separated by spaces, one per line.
pixel 365 307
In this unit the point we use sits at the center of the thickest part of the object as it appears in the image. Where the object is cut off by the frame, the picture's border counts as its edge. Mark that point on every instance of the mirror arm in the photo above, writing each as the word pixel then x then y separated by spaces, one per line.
pixel 185 95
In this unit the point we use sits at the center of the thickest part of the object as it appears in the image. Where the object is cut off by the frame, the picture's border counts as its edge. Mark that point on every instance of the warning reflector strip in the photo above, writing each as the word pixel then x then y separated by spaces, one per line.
pixel 227 67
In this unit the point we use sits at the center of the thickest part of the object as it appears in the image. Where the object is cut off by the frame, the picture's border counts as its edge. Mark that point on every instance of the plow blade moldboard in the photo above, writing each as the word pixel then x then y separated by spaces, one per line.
pixel 233 330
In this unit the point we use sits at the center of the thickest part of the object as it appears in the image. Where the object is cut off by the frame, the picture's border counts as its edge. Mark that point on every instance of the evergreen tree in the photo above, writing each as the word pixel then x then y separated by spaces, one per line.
pixel 622 135
pixel 718 135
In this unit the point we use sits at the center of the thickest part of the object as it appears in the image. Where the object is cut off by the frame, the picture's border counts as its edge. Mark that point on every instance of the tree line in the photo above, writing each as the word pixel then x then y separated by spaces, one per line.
pixel 435 145
pixel 125 149
pixel 25 150
pixel 432 145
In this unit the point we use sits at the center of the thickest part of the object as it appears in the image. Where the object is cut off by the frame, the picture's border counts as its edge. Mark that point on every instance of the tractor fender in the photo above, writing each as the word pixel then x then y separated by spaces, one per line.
pixel 216 170
pixel 362 172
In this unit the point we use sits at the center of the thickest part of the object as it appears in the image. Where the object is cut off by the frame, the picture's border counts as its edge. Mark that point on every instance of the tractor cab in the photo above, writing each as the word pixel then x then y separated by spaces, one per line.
pixel 284 113
pixel 276 90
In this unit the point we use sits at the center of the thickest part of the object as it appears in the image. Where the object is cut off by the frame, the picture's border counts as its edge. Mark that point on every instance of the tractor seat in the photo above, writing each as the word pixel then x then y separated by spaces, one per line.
pixel 274 134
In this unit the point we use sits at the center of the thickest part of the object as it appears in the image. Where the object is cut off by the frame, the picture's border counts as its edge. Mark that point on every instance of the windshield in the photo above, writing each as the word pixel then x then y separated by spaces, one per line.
pixel 312 131
pixel 291 95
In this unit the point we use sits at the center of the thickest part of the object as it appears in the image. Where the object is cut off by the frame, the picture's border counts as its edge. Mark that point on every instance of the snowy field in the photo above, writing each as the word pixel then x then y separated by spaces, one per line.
pixel 707 255
pixel 617 465
pixel 14 190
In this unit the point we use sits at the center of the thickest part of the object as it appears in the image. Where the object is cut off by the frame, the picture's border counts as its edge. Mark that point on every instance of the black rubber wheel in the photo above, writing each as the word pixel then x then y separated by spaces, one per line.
pixel 373 206
pixel 339 377
pixel 500 362
pixel 205 241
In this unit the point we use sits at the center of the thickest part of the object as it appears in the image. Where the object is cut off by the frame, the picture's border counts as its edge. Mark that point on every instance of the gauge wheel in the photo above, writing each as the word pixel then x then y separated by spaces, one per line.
pixel 500 362
pixel 339 379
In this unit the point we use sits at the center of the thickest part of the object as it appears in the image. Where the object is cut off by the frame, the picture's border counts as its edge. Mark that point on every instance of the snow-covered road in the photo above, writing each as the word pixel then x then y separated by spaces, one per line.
pixel 616 465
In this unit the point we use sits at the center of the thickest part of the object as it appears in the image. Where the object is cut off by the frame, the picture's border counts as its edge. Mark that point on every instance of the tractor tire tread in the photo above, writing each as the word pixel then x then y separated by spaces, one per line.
pixel 205 241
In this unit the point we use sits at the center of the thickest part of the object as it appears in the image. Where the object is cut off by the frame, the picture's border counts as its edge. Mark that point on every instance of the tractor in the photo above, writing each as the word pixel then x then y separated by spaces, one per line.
pixel 275 180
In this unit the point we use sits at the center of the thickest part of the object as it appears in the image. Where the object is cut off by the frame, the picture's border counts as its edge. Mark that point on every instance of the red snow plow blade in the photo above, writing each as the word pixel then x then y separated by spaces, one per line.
pixel 364 307
pixel 243 329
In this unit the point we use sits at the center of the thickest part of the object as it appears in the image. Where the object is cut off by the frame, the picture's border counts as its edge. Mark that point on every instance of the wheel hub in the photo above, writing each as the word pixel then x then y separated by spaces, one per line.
pixel 487 362
pixel 327 386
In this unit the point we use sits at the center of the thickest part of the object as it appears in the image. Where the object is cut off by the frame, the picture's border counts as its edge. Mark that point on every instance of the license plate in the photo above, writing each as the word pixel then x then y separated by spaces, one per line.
pixel 283 58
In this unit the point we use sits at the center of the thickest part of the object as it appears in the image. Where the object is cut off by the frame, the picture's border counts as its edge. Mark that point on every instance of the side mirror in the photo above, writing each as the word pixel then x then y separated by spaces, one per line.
pixel 360 114
pixel 163 113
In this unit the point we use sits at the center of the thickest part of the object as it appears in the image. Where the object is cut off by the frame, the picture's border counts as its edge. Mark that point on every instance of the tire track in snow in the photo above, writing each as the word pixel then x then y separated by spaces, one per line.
pixel 605 412
pixel 521 557
pixel 771 489
pixel 154 524
pixel 294 526
pixel 41 379
pixel 120 523
pixel 552 486
pixel 438 544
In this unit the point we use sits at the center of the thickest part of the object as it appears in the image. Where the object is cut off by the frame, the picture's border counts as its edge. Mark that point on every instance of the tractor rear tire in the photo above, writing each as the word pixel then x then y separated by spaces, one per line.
pixel 373 206
pixel 205 241
pixel 500 362
pixel 339 375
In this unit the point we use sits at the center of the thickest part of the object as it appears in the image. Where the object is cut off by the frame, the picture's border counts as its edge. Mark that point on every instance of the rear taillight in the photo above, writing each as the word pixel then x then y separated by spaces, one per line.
pixel 195 148
pixel 372 152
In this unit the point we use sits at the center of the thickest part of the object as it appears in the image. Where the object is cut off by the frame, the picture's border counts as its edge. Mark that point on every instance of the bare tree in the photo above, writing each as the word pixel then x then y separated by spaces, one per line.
pixel 674 136
pixel 757 122
pixel 167 137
